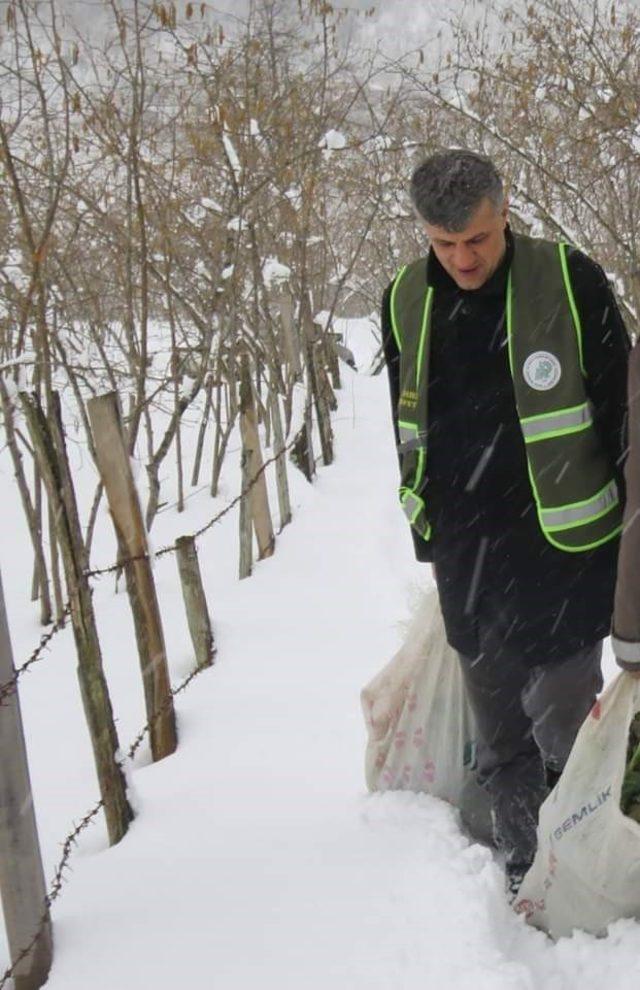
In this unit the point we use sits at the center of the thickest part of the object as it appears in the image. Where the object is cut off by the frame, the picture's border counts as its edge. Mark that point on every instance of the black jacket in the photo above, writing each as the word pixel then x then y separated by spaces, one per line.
pixel 492 563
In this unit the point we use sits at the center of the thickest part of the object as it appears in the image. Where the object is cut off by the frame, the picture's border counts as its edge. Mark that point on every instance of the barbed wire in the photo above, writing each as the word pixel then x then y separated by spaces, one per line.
pixel 70 841
pixel 131 752
pixel 9 686
pixel 200 532
pixel 54 890
pixel 171 547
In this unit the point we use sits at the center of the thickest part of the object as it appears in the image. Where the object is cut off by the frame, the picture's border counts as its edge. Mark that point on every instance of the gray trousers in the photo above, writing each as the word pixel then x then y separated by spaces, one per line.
pixel 527 719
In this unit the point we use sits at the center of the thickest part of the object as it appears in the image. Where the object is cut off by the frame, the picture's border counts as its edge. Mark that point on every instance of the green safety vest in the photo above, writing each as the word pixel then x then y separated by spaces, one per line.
pixel 571 478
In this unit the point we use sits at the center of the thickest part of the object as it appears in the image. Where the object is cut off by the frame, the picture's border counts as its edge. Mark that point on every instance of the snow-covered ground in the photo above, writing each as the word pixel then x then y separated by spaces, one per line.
pixel 257 859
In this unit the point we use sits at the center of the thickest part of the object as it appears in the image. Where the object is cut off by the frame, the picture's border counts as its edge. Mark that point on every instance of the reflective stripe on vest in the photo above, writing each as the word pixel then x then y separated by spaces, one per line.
pixel 579 513
pixel 556 424
pixel 411 505
pixel 416 443
pixel 414 509
pixel 410 439
pixel 407 432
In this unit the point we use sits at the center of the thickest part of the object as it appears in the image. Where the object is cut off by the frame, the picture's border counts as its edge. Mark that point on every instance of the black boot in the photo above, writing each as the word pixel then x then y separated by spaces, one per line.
pixel 514 875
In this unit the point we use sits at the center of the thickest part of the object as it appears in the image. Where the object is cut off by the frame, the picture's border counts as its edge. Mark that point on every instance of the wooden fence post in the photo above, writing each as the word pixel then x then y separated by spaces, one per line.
pixel 314 377
pixel 284 302
pixel 302 449
pixel 49 448
pixel 246 528
pixel 22 882
pixel 258 496
pixel 284 502
pixel 195 600
pixel 333 364
pixel 126 513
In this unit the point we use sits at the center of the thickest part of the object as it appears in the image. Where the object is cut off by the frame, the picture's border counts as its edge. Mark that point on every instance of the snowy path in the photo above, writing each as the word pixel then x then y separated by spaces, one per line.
pixel 257 859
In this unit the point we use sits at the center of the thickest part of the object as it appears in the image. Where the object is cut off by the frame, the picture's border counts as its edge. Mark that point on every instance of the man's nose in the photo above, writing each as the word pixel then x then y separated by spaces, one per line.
pixel 463 256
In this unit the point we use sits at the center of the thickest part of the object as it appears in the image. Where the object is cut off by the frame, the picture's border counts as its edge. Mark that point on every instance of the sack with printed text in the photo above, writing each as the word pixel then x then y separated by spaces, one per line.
pixel 586 872
pixel 418 719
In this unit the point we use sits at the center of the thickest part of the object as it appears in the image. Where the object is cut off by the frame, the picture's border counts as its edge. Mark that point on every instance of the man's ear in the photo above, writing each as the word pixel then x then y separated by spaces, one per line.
pixel 505 209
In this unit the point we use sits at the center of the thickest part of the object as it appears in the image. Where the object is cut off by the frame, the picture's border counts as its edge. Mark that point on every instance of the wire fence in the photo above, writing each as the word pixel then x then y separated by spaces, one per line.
pixel 70 841
pixel 38 653
pixel 9 686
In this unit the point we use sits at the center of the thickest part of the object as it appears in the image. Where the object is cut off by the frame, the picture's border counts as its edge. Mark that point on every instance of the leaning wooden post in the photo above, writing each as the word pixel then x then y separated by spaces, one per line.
pixel 126 513
pixel 333 363
pixel 258 496
pixel 22 883
pixel 50 450
pixel 302 448
pixel 195 601
pixel 284 302
pixel 246 529
pixel 316 391
pixel 284 502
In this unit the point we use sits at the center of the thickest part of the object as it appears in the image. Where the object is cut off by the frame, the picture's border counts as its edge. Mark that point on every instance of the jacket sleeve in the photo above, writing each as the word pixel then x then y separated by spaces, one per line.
pixel 626 612
pixel 421 547
pixel 606 349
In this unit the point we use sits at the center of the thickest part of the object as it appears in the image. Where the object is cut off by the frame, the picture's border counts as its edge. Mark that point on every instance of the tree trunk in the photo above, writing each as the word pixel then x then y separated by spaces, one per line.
pixel 321 407
pixel 27 505
pixel 93 515
pixel 37 511
pixel 55 565
pixel 50 450
pixel 201 432
pixel 222 435
pixel 179 468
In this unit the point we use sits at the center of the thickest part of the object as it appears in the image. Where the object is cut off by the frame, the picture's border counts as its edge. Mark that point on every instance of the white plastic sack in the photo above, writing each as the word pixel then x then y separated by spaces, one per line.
pixel 418 718
pixel 586 873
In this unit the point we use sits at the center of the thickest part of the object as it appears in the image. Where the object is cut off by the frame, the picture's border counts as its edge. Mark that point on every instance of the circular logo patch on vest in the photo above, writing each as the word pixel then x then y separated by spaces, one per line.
pixel 542 370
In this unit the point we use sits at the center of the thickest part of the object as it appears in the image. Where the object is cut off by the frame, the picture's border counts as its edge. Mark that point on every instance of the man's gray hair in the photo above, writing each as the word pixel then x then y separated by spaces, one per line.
pixel 447 188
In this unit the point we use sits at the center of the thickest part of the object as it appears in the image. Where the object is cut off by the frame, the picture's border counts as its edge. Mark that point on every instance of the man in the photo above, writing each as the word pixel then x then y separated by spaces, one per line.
pixel 507 363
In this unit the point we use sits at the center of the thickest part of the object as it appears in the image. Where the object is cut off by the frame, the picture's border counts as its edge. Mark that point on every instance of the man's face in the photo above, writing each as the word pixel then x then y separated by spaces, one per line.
pixel 471 256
